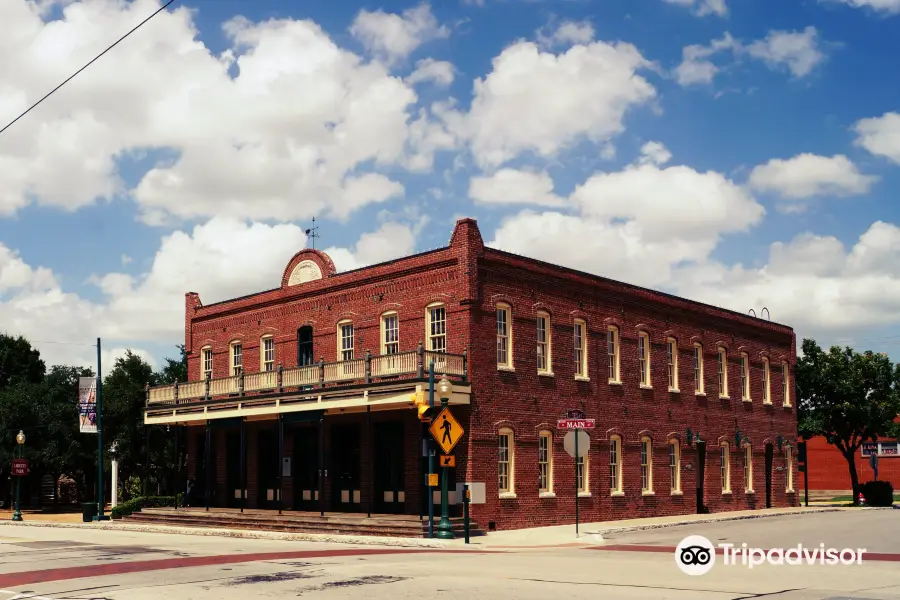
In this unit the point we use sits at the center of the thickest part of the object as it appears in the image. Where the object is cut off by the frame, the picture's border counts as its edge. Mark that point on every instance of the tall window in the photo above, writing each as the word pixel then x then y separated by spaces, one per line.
pixel 674 466
pixel 545 462
pixel 723 373
pixel 767 387
pixel 268 354
pixel 789 468
pixel 390 328
pixel 612 351
pixel 646 465
pixel 504 336
pixel 237 358
pixel 672 360
pixel 580 344
pixel 581 472
pixel 207 363
pixel 505 461
pixel 437 329
pixel 745 376
pixel 644 358
pixel 748 468
pixel 725 460
pixel 543 343
pixel 785 381
pixel 615 464
pixel 698 369
pixel 346 340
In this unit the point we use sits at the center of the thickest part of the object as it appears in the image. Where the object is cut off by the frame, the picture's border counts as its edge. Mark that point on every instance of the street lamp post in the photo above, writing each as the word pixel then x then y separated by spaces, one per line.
pixel 17 514
pixel 445 530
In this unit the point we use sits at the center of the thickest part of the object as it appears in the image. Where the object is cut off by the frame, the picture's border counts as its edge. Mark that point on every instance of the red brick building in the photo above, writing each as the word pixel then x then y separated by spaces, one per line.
pixel 829 474
pixel 311 383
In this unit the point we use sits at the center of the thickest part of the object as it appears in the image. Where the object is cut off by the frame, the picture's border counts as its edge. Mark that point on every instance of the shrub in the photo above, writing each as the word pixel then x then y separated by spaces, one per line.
pixel 135 504
pixel 878 493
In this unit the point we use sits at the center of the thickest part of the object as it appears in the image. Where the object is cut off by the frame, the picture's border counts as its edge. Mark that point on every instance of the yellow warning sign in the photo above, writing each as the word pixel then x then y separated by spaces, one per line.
pixel 446 431
pixel 432 480
pixel 448 461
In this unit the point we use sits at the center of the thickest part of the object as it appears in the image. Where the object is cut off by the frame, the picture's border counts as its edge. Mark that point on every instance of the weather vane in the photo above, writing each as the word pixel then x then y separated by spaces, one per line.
pixel 312 233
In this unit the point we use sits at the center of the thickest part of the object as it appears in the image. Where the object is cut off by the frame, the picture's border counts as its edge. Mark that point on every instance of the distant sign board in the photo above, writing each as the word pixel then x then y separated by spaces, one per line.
pixel 87 404
pixel 19 467
pixel 887 449
pixel 574 413
pixel 575 423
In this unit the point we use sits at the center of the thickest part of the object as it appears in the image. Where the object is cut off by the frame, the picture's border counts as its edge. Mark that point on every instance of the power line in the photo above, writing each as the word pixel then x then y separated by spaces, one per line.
pixel 162 8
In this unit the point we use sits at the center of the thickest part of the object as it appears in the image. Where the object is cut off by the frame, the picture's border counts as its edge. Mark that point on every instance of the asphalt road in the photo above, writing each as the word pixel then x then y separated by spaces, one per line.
pixel 78 563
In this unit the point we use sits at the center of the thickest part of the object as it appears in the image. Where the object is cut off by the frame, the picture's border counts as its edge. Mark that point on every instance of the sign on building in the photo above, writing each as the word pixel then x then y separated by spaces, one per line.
pixel 19 467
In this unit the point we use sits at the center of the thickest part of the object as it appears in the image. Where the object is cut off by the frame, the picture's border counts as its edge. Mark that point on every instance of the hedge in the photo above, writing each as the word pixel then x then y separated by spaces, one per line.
pixel 135 504
pixel 878 493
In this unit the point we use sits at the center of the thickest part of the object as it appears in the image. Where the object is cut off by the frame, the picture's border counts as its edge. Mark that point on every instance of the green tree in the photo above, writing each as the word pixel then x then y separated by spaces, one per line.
pixel 847 397
pixel 19 362
pixel 174 370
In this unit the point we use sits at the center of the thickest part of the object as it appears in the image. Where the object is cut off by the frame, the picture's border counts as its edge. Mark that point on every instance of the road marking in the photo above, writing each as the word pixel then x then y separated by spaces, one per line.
pixel 8 580
pixel 23 596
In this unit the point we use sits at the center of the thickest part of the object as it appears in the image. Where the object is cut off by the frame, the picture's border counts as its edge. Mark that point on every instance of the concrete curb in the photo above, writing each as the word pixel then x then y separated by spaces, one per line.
pixel 396 542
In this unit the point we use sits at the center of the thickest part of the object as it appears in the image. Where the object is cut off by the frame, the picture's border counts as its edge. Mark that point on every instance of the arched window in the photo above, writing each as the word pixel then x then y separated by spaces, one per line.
pixel 723 372
pixel 748 469
pixel 545 463
pixel 436 328
pixel 789 469
pixel 699 388
pixel 644 358
pixel 506 464
pixel 544 343
pixel 725 466
pixel 346 340
pixel 267 353
pixel 206 362
pixel 646 465
pixel 504 337
pixel 390 333
pixel 615 464
pixel 579 343
pixel 612 351
pixel 674 466
pixel 767 382
pixel 237 357
pixel 745 377
pixel 672 360
pixel 785 383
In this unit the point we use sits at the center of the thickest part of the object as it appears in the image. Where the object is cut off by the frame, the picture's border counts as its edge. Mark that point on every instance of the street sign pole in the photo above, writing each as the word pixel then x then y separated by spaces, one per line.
pixel 576 482
pixel 429 491
pixel 445 530
pixel 17 514
pixel 100 502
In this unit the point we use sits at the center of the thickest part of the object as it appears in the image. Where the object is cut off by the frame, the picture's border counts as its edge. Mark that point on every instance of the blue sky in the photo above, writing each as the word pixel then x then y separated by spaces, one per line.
pixel 89 250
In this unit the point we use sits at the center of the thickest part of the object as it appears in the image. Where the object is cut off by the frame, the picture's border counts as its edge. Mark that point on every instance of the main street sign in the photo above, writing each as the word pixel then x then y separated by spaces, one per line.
pixel 446 431
pixel 19 467
pixel 576 423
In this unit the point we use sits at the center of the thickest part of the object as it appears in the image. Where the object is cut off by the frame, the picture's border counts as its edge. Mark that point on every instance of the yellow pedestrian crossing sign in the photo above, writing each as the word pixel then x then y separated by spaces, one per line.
pixel 446 431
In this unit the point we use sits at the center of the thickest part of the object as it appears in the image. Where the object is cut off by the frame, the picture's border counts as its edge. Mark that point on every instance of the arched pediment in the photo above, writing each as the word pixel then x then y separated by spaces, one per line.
pixel 307 265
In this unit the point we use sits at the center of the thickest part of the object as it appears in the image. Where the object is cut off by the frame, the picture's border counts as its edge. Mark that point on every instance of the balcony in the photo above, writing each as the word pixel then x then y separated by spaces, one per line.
pixel 315 378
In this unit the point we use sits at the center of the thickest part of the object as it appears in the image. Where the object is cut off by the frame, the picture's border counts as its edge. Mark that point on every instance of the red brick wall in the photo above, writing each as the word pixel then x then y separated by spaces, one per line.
pixel 828 469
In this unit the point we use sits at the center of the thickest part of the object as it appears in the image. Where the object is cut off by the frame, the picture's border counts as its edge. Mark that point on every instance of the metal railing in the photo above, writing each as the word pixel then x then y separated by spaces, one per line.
pixel 317 375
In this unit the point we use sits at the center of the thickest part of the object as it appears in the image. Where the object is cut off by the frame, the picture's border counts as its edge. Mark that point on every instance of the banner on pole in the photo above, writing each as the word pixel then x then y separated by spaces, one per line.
pixel 87 404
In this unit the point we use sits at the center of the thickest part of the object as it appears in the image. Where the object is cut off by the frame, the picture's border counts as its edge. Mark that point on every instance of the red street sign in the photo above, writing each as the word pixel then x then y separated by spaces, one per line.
pixel 575 423
pixel 19 467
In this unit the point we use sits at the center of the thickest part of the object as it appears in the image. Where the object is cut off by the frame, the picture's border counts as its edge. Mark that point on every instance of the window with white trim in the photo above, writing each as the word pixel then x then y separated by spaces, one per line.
pixel 580 345
pixel 206 363
pixel 615 464
pixel 785 383
pixel 698 370
pixel 745 376
pixel 504 336
pixel 437 328
pixel 581 471
pixel 789 469
pixel 346 340
pixel 767 382
pixel 612 353
pixel 390 333
pixel 543 342
pixel 545 462
pixel 672 362
pixel 725 466
pixel 748 468
pixel 268 353
pixel 505 461
pixel 674 466
pixel 644 358
pixel 237 358
pixel 723 372
pixel 646 464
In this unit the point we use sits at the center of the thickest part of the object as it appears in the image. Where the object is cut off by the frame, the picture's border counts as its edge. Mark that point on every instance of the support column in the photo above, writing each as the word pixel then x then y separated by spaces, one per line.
pixel 371 458
pixel 206 463
pixel 280 472
pixel 174 480
pixel 243 481
pixel 146 486
pixel 114 496
pixel 322 470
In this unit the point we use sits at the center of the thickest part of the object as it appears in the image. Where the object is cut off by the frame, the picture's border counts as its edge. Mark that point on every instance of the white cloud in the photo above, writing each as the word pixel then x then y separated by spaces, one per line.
pixel 807 175
pixel 695 67
pixel 886 6
pixel 393 37
pixel 514 186
pixel 880 135
pixel 654 153
pixel 279 126
pixel 565 33
pixel 796 50
pixel 440 72
pixel 390 241
pixel 703 7
pixel 540 102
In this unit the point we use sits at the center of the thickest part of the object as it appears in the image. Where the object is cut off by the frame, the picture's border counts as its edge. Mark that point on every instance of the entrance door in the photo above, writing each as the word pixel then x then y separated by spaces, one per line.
pixel 268 493
pixel 390 496
pixel 305 346
pixel 306 468
pixel 346 495
pixel 701 477
pixel 233 469
pixel 770 455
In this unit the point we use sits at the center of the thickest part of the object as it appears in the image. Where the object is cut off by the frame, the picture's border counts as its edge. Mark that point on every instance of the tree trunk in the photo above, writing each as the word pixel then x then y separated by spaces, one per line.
pixel 854 477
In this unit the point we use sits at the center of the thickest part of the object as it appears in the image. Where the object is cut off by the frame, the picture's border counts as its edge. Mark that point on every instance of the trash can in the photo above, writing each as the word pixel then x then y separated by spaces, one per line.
pixel 88 511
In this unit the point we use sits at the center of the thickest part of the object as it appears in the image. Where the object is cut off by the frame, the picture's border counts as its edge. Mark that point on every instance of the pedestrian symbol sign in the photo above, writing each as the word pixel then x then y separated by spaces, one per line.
pixel 446 431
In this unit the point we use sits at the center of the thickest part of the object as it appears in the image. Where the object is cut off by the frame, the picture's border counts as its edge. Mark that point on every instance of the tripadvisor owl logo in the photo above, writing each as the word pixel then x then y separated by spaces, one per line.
pixel 695 555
